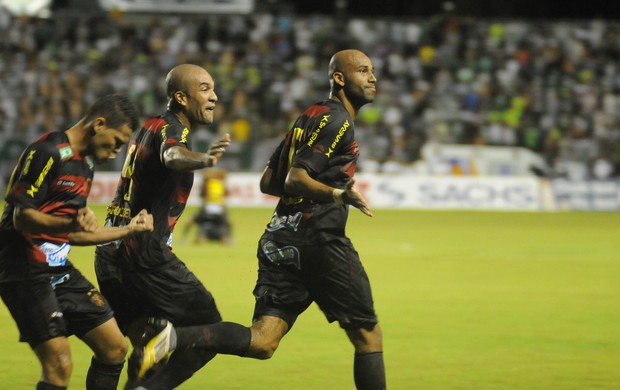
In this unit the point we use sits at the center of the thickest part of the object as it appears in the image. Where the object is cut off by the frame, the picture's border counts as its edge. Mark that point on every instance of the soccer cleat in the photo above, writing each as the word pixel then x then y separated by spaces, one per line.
pixel 156 347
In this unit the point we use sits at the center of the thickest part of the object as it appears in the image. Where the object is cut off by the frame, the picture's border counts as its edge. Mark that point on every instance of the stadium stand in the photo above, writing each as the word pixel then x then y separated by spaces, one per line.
pixel 552 87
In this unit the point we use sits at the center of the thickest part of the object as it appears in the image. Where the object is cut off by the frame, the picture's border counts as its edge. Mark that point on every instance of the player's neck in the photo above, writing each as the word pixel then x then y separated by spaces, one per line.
pixel 78 137
pixel 345 102
pixel 182 118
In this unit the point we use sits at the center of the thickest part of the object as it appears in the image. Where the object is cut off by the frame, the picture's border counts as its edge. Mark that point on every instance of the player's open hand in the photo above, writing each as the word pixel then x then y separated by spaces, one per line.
pixel 217 149
pixel 86 220
pixel 142 222
pixel 354 198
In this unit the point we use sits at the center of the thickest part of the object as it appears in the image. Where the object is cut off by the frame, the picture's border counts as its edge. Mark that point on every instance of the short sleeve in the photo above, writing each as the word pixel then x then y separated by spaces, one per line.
pixel 35 173
pixel 275 156
pixel 173 135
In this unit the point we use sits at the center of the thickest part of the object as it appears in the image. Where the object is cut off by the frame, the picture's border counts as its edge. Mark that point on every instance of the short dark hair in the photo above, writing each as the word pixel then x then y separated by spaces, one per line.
pixel 117 109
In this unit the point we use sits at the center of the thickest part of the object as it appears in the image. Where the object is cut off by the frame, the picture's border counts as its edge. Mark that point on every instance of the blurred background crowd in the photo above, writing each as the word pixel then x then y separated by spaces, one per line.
pixel 552 87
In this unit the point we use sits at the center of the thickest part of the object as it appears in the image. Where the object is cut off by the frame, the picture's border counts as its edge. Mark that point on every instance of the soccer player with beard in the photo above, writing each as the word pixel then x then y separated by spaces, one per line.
pixel 141 276
pixel 304 254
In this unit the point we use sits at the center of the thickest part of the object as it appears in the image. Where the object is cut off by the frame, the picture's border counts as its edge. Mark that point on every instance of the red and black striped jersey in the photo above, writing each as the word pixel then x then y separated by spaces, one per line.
pixel 322 141
pixel 146 183
pixel 51 177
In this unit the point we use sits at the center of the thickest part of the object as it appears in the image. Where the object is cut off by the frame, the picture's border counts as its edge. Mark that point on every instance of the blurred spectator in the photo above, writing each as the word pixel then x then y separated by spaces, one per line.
pixel 211 220
pixel 552 87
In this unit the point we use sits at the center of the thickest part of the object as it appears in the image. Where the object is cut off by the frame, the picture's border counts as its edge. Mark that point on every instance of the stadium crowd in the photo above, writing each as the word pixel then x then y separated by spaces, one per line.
pixel 552 87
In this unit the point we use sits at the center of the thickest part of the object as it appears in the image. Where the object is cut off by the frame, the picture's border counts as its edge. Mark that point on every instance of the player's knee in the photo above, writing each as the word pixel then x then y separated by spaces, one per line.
pixel 57 368
pixel 263 350
pixel 263 346
pixel 114 353
pixel 266 335
pixel 367 340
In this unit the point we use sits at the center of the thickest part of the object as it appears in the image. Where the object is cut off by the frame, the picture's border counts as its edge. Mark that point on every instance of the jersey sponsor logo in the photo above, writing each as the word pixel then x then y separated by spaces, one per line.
pixel 281 256
pixel 56 280
pixel 65 183
pixel 65 152
pixel 286 221
pixel 118 211
pixel 90 162
pixel 35 187
pixel 55 255
pixel 332 147
pixel 164 135
pixel 315 133
pixel 183 139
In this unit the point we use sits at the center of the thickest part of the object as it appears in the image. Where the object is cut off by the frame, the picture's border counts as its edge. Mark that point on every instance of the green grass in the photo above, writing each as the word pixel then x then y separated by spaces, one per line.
pixel 466 300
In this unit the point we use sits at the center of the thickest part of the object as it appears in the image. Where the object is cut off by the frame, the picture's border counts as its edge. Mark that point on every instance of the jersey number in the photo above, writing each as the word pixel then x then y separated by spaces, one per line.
pixel 127 172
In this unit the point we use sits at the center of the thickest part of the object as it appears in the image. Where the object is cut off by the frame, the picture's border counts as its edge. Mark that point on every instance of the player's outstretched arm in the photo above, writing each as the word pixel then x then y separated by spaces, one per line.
pixel 142 222
pixel 34 221
pixel 183 159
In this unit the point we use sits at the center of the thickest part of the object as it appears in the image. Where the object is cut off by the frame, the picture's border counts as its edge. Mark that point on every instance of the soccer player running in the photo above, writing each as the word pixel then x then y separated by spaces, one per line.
pixel 45 213
pixel 304 254
pixel 141 276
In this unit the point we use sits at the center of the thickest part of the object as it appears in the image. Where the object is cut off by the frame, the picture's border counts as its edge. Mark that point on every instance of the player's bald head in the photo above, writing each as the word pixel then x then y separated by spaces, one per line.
pixel 344 59
pixel 177 79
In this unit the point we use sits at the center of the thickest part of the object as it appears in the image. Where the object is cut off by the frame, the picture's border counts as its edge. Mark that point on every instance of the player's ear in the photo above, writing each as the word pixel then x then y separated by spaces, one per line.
pixel 338 78
pixel 99 123
pixel 181 98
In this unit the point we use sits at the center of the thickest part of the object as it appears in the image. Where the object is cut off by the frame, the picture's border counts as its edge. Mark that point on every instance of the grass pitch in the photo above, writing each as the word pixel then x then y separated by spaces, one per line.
pixel 466 300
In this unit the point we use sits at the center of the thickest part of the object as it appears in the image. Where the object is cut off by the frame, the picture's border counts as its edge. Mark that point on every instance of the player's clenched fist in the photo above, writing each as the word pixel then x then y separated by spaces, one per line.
pixel 86 220
pixel 142 222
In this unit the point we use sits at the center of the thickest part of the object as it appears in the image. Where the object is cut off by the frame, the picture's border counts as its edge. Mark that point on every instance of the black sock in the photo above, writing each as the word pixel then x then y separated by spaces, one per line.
pixel 103 376
pixel 369 371
pixel 49 386
pixel 222 337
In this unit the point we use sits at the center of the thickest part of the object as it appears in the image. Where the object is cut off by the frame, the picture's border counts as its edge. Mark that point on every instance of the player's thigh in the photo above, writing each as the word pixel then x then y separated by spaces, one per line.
pixel 339 284
pixel 280 289
pixel 107 342
pixel 35 309
pixel 84 308
pixel 174 293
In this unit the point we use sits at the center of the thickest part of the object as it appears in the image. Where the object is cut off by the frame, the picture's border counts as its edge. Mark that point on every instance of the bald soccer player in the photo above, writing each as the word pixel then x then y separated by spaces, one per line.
pixel 304 255
pixel 141 276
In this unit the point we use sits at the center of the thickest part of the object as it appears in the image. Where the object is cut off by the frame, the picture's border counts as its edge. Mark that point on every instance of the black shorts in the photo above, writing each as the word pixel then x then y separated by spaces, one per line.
pixel 43 311
pixel 291 277
pixel 173 292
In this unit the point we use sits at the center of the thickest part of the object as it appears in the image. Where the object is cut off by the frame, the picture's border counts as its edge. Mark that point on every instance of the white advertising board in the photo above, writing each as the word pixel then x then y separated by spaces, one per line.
pixel 381 191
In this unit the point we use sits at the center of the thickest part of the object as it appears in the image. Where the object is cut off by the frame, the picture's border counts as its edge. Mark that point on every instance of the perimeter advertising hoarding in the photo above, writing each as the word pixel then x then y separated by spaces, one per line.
pixel 180 6
pixel 387 191
pixel 586 195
